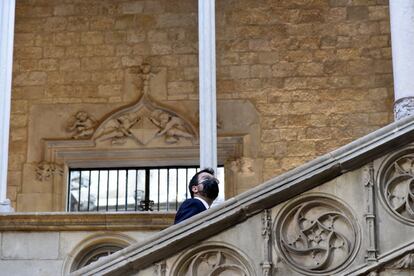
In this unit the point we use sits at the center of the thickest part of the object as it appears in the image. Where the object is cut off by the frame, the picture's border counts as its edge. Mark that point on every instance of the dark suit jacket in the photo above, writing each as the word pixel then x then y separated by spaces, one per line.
pixel 189 208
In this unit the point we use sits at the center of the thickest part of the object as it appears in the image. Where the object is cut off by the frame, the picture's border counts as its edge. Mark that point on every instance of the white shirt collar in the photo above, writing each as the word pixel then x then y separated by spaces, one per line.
pixel 203 201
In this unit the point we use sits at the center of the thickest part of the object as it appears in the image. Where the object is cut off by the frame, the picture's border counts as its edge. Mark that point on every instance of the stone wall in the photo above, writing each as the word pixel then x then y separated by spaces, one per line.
pixel 56 243
pixel 318 72
pixel 52 253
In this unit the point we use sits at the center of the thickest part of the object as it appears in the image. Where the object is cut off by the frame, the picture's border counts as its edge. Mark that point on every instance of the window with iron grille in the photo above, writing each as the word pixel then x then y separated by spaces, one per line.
pixel 132 189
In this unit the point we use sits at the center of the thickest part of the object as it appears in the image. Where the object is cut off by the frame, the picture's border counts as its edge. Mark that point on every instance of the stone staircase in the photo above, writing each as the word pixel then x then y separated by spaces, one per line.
pixel 349 212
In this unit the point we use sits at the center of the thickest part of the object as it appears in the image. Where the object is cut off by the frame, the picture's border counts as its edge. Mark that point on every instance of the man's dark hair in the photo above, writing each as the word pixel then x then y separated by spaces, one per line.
pixel 194 179
pixel 210 187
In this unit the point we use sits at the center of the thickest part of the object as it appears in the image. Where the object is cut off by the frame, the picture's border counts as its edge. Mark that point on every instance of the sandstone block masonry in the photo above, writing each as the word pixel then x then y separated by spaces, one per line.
pixel 318 72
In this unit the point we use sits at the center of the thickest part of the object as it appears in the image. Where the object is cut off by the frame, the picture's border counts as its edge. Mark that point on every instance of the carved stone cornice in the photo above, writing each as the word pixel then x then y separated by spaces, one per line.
pixel 85 221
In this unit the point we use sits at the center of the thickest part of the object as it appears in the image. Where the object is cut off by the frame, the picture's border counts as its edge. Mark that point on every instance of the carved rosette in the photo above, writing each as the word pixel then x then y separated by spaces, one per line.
pixel 316 235
pixel 213 261
pixel 397 186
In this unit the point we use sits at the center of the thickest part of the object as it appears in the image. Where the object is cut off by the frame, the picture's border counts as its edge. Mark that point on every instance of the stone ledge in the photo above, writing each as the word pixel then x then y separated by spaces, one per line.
pixel 114 221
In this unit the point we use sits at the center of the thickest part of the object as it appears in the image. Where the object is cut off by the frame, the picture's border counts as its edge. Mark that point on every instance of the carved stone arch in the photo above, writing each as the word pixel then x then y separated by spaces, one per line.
pixel 213 258
pixel 94 246
pixel 317 234
pixel 144 122
pixel 395 180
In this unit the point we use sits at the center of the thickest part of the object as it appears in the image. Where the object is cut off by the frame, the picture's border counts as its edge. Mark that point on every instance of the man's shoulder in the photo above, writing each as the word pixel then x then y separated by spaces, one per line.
pixel 192 201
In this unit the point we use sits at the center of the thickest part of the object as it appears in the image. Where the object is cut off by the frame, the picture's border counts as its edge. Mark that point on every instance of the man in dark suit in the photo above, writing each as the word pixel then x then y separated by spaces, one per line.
pixel 203 190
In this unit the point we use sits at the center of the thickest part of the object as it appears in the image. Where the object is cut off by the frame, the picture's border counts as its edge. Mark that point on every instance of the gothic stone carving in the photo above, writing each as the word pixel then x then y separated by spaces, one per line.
pixel 403 108
pixel 171 127
pixel 406 262
pixel 370 215
pixel 160 269
pixel 397 187
pixel 316 235
pixel 267 246
pixel 45 170
pixel 213 261
pixel 83 125
pixel 144 121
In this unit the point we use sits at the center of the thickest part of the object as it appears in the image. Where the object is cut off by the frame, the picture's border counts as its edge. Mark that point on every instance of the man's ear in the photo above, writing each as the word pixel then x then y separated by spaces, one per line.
pixel 194 189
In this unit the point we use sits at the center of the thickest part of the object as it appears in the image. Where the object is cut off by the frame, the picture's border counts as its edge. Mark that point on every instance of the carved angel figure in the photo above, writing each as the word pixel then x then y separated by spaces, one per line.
pixel 171 126
pixel 83 125
pixel 118 129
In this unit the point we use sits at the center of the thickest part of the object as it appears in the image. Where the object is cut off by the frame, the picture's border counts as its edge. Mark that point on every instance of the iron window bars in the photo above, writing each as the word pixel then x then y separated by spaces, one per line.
pixel 130 189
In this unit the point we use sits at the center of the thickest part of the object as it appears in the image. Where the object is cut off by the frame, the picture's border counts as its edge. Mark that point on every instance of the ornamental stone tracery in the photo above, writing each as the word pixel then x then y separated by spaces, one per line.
pixel 316 235
pixel 213 261
pixel 397 186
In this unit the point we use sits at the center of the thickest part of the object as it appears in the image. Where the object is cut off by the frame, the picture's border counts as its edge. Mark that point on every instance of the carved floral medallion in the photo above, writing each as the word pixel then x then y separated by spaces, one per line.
pixel 316 235
pixel 213 262
pixel 397 187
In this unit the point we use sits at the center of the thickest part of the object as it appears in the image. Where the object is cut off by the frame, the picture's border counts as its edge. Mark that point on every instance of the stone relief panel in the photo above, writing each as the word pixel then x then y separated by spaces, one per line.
pixel 396 185
pixel 212 260
pixel 141 123
pixel 82 125
pixel 316 235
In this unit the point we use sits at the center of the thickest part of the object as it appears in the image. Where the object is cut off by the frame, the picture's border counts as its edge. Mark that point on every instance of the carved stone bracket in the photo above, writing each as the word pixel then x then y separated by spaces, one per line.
pixel 316 234
pixel 370 215
pixel 267 244
pixel 45 170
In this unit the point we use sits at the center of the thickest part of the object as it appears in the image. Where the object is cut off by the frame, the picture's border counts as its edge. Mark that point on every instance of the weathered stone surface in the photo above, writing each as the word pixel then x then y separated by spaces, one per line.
pixel 23 246
pixel 31 267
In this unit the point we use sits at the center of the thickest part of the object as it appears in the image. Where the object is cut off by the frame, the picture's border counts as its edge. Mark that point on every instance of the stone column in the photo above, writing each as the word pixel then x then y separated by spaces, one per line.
pixel 207 83
pixel 7 8
pixel 402 37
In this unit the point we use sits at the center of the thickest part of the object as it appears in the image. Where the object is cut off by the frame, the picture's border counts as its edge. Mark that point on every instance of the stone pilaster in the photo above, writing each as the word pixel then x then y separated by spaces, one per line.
pixel 207 82
pixel 7 11
pixel 402 36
